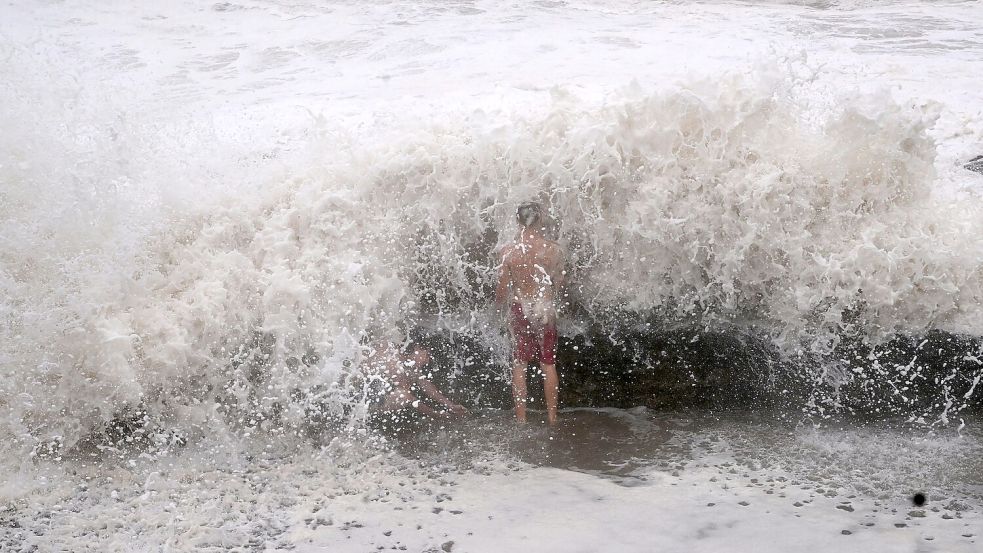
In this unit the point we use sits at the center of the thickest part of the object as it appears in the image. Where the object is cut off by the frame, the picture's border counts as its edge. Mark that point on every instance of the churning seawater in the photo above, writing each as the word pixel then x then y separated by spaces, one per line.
pixel 206 209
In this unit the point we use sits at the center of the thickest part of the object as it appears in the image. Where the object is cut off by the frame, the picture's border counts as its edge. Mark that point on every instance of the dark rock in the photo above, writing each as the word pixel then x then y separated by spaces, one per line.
pixel 975 164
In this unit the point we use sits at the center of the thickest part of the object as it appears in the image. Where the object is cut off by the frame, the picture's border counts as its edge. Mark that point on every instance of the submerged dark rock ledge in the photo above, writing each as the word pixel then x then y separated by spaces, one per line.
pixel 920 380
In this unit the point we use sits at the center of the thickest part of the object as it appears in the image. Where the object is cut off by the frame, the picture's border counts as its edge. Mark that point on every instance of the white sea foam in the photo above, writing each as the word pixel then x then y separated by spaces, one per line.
pixel 610 479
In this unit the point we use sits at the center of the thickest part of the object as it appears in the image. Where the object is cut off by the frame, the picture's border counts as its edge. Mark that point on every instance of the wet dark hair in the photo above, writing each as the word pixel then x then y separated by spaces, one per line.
pixel 528 213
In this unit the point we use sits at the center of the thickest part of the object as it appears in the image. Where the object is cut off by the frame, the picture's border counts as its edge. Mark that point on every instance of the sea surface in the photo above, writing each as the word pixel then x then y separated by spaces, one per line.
pixel 209 209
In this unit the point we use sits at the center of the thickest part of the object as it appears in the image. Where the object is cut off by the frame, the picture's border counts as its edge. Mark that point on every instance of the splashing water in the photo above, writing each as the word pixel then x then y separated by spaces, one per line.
pixel 718 204
pixel 180 276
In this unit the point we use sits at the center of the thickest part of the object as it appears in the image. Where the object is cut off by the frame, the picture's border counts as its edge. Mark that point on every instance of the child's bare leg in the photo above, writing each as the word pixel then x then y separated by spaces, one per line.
pixel 551 385
pixel 519 390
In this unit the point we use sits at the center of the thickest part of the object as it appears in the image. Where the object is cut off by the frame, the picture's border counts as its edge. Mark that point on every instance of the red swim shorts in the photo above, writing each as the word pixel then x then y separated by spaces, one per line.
pixel 529 344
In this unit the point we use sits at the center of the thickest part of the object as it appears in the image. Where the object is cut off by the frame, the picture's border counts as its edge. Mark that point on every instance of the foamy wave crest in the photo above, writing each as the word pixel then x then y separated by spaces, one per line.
pixel 720 204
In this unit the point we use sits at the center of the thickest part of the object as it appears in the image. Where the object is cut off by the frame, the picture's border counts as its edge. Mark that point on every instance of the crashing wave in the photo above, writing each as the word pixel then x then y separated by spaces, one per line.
pixel 723 206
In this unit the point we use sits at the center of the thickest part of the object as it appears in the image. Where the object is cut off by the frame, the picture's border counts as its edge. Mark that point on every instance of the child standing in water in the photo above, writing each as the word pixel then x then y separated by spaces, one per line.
pixel 528 286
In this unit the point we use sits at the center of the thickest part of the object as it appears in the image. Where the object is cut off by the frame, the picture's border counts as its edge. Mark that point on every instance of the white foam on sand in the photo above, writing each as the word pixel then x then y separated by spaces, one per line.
pixel 547 509
pixel 724 495
pixel 701 484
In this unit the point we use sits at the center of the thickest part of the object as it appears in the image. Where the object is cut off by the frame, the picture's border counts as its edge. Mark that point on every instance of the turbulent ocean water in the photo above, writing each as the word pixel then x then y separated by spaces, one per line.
pixel 209 210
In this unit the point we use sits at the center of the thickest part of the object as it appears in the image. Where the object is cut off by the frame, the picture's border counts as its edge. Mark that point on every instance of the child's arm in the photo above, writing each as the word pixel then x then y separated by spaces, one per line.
pixel 434 393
